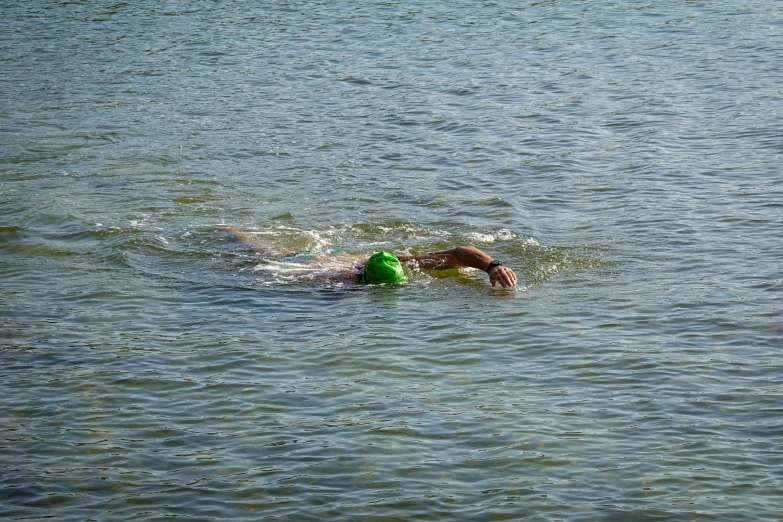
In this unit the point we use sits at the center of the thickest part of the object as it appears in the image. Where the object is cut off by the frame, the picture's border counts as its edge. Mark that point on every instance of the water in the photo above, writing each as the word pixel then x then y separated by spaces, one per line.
pixel 623 157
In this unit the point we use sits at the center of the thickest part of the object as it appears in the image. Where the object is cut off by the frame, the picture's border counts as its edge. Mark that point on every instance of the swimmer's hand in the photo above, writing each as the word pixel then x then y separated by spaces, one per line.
pixel 503 275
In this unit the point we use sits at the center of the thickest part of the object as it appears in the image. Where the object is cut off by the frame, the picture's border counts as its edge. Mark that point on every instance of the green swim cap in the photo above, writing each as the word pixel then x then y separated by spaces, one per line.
pixel 382 267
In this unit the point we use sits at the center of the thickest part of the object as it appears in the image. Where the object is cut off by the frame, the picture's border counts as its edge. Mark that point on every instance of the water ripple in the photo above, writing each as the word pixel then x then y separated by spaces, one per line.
pixel 621 157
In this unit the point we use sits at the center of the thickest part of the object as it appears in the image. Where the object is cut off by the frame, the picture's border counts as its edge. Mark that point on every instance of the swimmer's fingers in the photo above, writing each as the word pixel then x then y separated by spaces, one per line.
pixel 503 275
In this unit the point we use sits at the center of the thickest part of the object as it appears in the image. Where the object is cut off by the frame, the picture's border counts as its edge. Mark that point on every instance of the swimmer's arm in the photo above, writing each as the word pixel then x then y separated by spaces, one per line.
pixel 464 257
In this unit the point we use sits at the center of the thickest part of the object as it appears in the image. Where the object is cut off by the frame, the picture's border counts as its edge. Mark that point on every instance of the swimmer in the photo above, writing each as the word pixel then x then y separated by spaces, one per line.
pixel 384 267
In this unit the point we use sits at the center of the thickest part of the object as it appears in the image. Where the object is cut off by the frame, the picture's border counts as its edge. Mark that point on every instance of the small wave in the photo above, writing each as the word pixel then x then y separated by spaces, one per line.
pixel 491 237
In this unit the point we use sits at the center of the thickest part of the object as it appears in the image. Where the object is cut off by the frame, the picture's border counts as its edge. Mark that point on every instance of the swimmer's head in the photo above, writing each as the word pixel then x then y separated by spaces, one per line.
pixel 382 267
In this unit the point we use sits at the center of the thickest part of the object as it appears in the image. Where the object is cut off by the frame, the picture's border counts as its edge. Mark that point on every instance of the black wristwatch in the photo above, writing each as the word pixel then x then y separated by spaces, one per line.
pixel 492 264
